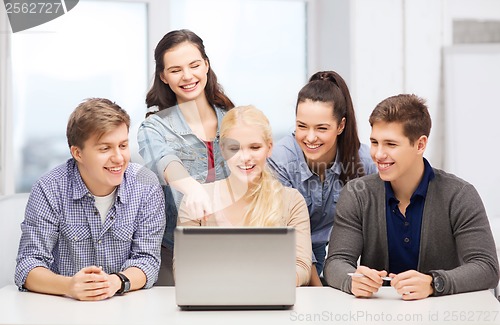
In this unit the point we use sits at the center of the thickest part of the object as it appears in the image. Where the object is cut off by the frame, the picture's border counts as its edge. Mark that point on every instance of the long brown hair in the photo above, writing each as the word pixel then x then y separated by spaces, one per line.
pixel 330 87
pixel 160 93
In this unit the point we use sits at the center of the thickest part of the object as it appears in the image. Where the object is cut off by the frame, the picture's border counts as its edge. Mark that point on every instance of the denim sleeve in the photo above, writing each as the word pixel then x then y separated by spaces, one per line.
pixel 278 165
pixel 366 160
pixel 314 259
pixel 156 151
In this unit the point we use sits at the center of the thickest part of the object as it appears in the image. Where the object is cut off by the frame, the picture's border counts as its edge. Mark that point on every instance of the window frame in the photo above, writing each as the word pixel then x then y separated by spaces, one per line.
pixel 156 25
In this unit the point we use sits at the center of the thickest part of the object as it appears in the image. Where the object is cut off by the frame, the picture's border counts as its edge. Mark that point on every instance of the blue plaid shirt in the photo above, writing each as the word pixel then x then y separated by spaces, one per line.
pixel 62 229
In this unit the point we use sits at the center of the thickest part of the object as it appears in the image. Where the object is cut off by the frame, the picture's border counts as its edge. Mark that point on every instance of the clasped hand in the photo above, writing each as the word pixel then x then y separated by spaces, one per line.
pixel 92 283
pixel 410 284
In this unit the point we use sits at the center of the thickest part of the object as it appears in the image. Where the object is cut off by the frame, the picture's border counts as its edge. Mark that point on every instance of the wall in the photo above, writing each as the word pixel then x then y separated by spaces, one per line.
pixel 386 47
pixel 395 46
pixel 472 113
pixel 379 49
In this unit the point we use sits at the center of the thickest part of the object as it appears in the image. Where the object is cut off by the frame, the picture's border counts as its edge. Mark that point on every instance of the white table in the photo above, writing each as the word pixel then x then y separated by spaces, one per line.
pixel 313 306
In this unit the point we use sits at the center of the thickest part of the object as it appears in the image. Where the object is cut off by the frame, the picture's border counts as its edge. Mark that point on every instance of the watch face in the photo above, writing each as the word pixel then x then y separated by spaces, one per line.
pixel 125 283
pixel 439 283
pixel 126 287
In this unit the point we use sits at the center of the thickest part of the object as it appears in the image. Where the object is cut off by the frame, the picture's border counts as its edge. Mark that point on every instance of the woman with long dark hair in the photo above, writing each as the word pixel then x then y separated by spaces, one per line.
pixel 322 155
pixel 179 138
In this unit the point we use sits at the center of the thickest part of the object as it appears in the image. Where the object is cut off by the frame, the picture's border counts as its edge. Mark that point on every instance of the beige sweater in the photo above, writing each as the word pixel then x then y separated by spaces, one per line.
pixel 296 216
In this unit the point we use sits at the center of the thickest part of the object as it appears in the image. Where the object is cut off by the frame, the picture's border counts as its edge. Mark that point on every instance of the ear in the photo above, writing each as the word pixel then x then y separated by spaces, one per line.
pixel 270 151
pixel 208 65
pixel 341 126
pixel 162 77
pixel 76 153
pixel 422 143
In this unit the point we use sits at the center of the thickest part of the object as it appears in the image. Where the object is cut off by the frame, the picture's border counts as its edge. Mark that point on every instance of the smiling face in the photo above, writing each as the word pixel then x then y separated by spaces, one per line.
pixel 397 160
pixel 102 161
pixel 185 72
pixel 245 151
pixel 316 131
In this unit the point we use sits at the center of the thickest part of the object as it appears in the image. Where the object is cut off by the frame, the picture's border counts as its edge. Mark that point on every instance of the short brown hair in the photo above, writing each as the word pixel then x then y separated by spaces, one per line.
pixel 94 116
pixel 407 109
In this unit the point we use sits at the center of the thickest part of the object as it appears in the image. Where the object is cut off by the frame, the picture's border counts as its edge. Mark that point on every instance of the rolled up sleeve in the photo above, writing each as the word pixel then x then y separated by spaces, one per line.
pixel 39 234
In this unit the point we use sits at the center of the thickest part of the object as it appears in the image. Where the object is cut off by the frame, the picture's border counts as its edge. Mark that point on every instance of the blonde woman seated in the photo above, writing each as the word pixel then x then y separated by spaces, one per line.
pixel 251 196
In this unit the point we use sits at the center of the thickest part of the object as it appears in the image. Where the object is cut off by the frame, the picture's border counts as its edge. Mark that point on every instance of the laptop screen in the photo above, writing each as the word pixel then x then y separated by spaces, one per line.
pixel 234 267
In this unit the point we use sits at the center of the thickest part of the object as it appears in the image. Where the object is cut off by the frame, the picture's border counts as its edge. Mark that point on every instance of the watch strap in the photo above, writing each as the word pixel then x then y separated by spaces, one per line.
pixel 437 283
pixel 125 287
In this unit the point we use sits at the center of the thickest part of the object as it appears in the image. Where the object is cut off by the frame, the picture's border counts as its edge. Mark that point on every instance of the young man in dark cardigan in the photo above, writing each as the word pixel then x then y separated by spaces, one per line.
pixel 422 227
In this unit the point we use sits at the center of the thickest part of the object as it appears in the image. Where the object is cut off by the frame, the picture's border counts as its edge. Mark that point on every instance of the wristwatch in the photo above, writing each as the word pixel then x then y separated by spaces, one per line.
pixel 437 283
pixel 125 283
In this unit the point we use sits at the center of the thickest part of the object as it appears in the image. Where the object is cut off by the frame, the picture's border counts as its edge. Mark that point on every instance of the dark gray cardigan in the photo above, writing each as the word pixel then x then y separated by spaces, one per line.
pixel 456 239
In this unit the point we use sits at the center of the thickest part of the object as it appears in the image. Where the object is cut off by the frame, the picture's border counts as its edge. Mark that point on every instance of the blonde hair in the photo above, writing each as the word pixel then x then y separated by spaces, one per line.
pixel 266 207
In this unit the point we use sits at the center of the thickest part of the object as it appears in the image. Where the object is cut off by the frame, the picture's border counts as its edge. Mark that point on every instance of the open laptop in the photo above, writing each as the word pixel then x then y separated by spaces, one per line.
pixel 234 268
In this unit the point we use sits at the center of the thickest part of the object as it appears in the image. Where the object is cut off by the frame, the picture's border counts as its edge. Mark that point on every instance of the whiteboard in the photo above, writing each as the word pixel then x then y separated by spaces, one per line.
pixel 472 119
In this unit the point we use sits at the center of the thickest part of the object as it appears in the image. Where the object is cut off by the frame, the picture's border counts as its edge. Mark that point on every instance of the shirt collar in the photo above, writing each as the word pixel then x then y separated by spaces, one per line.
pixel 424 183
pixel 422 187
pixel 80 189
pixel 178 122
pixel 305 171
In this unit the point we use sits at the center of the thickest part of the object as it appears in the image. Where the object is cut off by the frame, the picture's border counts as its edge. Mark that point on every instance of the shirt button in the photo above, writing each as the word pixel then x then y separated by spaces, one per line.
pixel 75 238
pixel 99 241
pixel 407 240
pixel 112 217
pixel 96 213
pixel 407 223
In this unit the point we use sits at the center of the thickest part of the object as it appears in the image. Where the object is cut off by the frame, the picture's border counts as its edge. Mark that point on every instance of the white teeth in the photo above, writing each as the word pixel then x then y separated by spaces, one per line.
pixel 245 167
pixel 384 165
pixel 311 146
pixel 114 169
pixel 189 86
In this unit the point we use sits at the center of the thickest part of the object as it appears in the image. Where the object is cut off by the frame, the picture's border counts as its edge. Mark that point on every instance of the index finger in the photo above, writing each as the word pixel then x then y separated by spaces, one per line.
pixel 95 277
pixel 369 274
pixel 400 277
pixel 91 269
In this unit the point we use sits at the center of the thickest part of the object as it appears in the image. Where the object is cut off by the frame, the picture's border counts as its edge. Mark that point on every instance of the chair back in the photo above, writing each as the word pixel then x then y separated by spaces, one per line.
pixel 12 209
